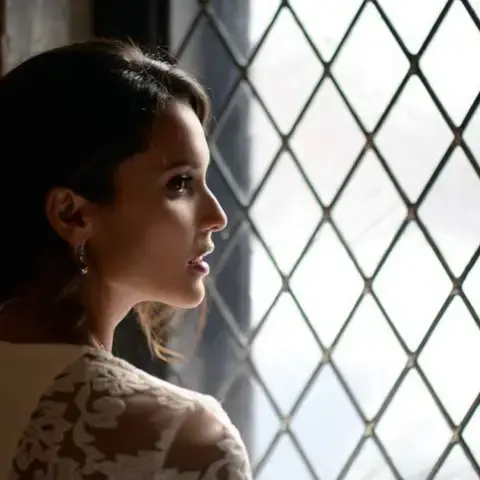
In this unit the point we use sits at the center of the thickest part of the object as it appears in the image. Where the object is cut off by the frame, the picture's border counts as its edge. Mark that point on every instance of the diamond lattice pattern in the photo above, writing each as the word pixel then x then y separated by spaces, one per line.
pixel 345 145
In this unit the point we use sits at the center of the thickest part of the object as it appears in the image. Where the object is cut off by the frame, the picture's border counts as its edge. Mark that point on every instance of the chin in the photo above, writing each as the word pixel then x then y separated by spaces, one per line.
pixel 196 298
pixel 190 297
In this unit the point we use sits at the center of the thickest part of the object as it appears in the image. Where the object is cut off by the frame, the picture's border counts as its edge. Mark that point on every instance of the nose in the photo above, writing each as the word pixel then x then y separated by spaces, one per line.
pixel 214 218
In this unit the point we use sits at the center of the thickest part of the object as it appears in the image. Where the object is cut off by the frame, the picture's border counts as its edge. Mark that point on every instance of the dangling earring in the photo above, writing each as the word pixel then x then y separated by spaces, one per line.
pixel 81 258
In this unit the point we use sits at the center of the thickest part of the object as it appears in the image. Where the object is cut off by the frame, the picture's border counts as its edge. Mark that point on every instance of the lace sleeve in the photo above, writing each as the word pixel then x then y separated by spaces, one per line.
pixel 210 448
pixel 122 427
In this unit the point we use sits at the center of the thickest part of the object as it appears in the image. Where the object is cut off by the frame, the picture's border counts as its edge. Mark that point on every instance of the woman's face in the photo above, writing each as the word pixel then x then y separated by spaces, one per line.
pixel 149 243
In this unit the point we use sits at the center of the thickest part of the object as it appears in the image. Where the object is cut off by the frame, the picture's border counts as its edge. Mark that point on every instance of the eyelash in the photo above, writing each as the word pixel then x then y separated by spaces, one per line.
pixel 185 181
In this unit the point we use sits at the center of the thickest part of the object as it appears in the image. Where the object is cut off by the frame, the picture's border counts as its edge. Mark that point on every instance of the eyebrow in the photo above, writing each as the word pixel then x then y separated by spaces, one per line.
pixel 184 162
pixel 178 164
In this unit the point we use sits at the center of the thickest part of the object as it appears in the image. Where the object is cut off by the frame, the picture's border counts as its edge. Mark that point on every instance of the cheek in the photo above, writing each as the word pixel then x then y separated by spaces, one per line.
pixel 168 235
pixel 135 240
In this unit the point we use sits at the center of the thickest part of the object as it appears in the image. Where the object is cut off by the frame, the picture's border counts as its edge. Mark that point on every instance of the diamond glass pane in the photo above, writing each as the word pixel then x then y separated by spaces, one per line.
pixel 181 21
pixel 300 410
pixel 326 21
pixel 285 462
pixel 471 287
pixel 222 342
pixel 266 422
pixel 221 189
pixel 265 281
pixel 190 371
pixel 285 54
pixel 369 357
pixel 233 30
pixel 204 33
pixel 450 360
pixel 369 212
pixel 414 138
pixel 282 338
pixel 412 286
pixel 471 136
pixel 369 465
pixel 456 465
pixel 368 87
pixel 319 141
pixel 232 306
pixel 413 29
pixel 258 154
pixel 286 209
pixel 449 64
pixel 413 420
pixel 264 143
pixel 471 435
pixel 450 211
pixel 327 284
pixel 185 340
pixel 327 440
pixel 261 14
pixel 475 4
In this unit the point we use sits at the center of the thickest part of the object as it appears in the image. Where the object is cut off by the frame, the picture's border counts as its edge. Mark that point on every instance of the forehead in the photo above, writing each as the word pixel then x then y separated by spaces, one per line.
pixel 178 135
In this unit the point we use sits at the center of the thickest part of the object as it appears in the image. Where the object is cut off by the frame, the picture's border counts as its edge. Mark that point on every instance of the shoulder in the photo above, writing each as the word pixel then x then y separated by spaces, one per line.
pixel 125 424
pixel 202 442
pixel 208 443
pixel 195 434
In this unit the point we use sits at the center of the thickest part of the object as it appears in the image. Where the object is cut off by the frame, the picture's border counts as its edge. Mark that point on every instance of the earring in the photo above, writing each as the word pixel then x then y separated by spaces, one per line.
pixel 81 257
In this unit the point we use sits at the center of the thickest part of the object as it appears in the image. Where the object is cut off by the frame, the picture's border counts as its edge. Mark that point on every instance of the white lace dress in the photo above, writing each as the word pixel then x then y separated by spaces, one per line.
pixel 79 413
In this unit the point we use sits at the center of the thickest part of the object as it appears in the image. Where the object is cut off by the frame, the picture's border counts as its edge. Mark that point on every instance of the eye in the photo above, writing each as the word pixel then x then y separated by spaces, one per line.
pixel 179 183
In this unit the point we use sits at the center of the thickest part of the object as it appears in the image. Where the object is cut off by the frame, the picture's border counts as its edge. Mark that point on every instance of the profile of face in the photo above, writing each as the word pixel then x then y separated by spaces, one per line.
pixel 149 244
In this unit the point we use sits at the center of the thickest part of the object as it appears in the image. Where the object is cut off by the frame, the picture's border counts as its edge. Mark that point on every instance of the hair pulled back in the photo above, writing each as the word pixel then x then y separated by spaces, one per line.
pixel 70 116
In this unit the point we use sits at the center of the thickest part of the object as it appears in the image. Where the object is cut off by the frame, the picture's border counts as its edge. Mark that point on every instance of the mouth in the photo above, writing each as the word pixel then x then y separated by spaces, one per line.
pixel 199 264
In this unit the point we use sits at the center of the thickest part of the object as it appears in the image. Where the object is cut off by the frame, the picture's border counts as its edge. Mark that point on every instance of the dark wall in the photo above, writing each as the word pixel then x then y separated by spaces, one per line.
pixel 143 21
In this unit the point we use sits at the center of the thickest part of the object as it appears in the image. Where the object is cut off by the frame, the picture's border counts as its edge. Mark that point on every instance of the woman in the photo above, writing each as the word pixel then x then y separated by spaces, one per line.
pixel 104 208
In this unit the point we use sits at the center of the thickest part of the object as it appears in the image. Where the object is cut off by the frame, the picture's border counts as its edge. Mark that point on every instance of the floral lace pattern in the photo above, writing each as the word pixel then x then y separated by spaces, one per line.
pixel 104 419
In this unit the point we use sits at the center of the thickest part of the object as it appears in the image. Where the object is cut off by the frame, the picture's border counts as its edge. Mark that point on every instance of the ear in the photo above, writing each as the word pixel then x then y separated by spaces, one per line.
pixel 70 215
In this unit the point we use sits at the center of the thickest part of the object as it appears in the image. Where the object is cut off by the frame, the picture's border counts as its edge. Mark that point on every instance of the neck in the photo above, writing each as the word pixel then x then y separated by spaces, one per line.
pixel 106 308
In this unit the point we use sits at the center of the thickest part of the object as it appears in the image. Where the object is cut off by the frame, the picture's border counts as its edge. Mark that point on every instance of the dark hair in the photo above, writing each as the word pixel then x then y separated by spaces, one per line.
pixel 69 117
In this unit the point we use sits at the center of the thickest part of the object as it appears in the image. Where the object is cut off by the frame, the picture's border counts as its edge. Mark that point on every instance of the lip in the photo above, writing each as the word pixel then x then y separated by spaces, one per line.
pixel 198 264
pixel 199 268
pixel 201 256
